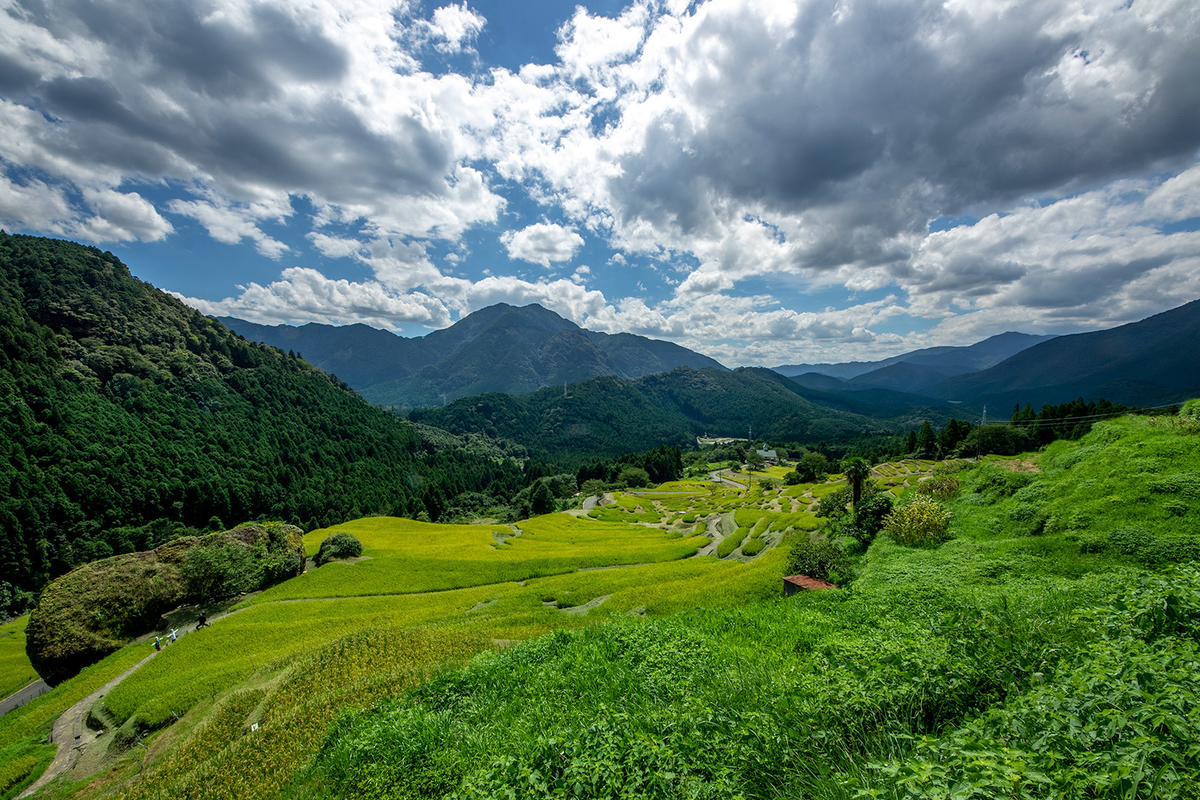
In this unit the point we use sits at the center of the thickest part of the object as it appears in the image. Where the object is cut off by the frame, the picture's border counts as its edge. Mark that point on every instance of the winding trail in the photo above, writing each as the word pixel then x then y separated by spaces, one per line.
pixel 72 735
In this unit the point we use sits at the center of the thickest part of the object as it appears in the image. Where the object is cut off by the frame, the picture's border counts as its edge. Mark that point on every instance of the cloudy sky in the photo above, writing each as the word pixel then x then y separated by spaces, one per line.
pixel 766 182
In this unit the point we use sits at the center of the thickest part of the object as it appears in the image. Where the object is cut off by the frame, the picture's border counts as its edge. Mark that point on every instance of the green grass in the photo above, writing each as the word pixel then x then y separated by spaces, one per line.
pixel 15 669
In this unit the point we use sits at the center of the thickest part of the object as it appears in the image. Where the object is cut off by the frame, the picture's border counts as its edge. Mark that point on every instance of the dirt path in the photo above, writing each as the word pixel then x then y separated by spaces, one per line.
pixel 70 733
pixel 72 736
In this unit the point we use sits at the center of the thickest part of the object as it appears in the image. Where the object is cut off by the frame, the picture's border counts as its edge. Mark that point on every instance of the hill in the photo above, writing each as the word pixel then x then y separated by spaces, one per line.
pixel 612 416
pixel 501 348
pixel 939 361
pixel 127 417
pixel 1154 361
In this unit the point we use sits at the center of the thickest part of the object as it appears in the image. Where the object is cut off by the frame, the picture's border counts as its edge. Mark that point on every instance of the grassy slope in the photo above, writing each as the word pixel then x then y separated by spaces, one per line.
pixel 980 646
pixel 15 669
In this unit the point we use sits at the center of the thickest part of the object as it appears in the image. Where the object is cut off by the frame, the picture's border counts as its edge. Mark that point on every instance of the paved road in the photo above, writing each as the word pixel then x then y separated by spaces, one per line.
pixel 716 476
pixel 23 696
pixel 590 502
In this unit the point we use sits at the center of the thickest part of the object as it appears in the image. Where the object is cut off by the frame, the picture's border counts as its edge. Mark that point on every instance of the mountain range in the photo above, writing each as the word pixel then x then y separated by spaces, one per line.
pixel 913 371
pixel 1155 361
pixel 501 348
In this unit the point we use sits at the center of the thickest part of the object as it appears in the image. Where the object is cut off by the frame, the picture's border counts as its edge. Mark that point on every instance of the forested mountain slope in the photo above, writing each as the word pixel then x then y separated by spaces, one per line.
pixel 611 415
pixel 120 406
pixel 1154 361
pixel 500 348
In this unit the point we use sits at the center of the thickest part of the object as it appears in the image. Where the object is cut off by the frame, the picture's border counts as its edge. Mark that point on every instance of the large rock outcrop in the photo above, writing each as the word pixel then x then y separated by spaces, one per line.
pixel 99 607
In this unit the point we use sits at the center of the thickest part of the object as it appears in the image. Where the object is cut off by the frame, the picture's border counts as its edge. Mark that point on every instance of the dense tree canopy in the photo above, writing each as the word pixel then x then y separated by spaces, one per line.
pixel 127 417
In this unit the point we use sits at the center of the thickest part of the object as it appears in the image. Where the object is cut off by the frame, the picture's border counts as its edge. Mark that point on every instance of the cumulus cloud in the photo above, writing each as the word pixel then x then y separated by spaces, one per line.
pixel 305 295
pixel 454 27
pixel 751 152
pixel 542 243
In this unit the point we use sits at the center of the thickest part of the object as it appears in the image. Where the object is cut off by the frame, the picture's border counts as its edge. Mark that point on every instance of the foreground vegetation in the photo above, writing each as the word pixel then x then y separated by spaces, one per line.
pixel 1045 646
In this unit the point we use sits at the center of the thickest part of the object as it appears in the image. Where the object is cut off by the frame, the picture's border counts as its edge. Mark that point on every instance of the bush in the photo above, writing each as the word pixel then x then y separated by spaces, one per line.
pixel 339 545
pixel 921 522
pixel 833 506
pixel 870 512
pixel 792 478
pixel 217 571
pixel 940 487
pixel 821 558
pixel 1191 410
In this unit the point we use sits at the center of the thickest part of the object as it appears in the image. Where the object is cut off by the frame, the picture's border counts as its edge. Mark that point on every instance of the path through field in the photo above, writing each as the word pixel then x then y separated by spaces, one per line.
pixel 72 736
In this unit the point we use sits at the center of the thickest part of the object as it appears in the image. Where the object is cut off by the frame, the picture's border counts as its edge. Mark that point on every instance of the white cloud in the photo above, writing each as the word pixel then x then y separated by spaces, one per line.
pixel 305 295
pixel 122 217
pixel 542 243
pixel 230 224
pixel 454 27
pixel 776 148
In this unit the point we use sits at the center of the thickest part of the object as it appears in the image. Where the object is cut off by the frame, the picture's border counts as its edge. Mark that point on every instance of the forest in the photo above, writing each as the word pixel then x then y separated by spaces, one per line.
pixel 127 418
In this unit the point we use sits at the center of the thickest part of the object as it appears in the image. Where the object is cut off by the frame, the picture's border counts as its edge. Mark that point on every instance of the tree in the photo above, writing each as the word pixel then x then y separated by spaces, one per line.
pixel 926 441
pixel 813 467
pixel 910 444
pixel 856 470
pixel 541 501
pixel 754 460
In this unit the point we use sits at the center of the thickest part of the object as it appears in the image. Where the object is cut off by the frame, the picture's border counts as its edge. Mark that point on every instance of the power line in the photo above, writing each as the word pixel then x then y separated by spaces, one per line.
pixel 1055 421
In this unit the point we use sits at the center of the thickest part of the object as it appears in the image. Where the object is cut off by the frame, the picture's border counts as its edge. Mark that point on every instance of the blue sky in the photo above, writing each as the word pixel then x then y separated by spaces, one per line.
pixel 765 182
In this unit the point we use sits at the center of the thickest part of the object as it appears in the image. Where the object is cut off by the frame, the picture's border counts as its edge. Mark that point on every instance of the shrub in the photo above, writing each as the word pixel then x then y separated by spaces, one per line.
pixel 753 547
pixel 921 522
pixel 339 545
pixel 869 514
pixel 940 487
pixel 1191 410
pixel 792 478
pixel 821 558
pixel 833 505
pixel 219 570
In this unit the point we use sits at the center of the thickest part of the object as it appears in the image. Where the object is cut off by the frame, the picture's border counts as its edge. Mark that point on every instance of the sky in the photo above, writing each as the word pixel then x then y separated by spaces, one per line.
pixel 768 183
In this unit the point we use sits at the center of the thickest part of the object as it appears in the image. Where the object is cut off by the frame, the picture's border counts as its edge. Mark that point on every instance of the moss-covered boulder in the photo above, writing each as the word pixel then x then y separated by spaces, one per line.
pixel 99 607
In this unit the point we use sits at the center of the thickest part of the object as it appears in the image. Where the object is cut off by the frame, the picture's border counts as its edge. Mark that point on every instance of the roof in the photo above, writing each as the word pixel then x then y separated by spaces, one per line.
pixel 805 582
pixel 767 453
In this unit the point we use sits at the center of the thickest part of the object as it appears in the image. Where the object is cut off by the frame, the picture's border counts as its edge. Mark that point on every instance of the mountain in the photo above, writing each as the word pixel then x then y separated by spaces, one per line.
pixel 501 348
pixel 1151 362
pixel 127 417
pixel 940 363
pixel 609 416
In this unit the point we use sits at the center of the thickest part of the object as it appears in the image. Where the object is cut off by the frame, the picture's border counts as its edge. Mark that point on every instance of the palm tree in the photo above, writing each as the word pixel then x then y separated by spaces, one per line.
pixel 856 470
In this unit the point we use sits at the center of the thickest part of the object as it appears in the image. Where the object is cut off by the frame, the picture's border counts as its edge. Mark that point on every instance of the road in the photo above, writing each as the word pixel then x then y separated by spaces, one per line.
pixel 23 696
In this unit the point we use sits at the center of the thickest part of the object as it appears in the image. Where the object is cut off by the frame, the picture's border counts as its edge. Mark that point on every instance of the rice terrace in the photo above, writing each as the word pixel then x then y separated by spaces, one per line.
pixel 1044 647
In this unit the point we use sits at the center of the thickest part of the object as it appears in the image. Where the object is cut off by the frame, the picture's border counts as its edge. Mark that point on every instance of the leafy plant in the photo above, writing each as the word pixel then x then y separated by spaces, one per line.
pixel 921 522
pixel 338 545
pixel 821 558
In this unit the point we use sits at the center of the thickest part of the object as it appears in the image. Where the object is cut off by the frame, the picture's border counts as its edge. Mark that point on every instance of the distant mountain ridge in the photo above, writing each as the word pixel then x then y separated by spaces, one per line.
pixel 1150 362
pixel 916 370
pixel 1155 361
pixel 501 348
